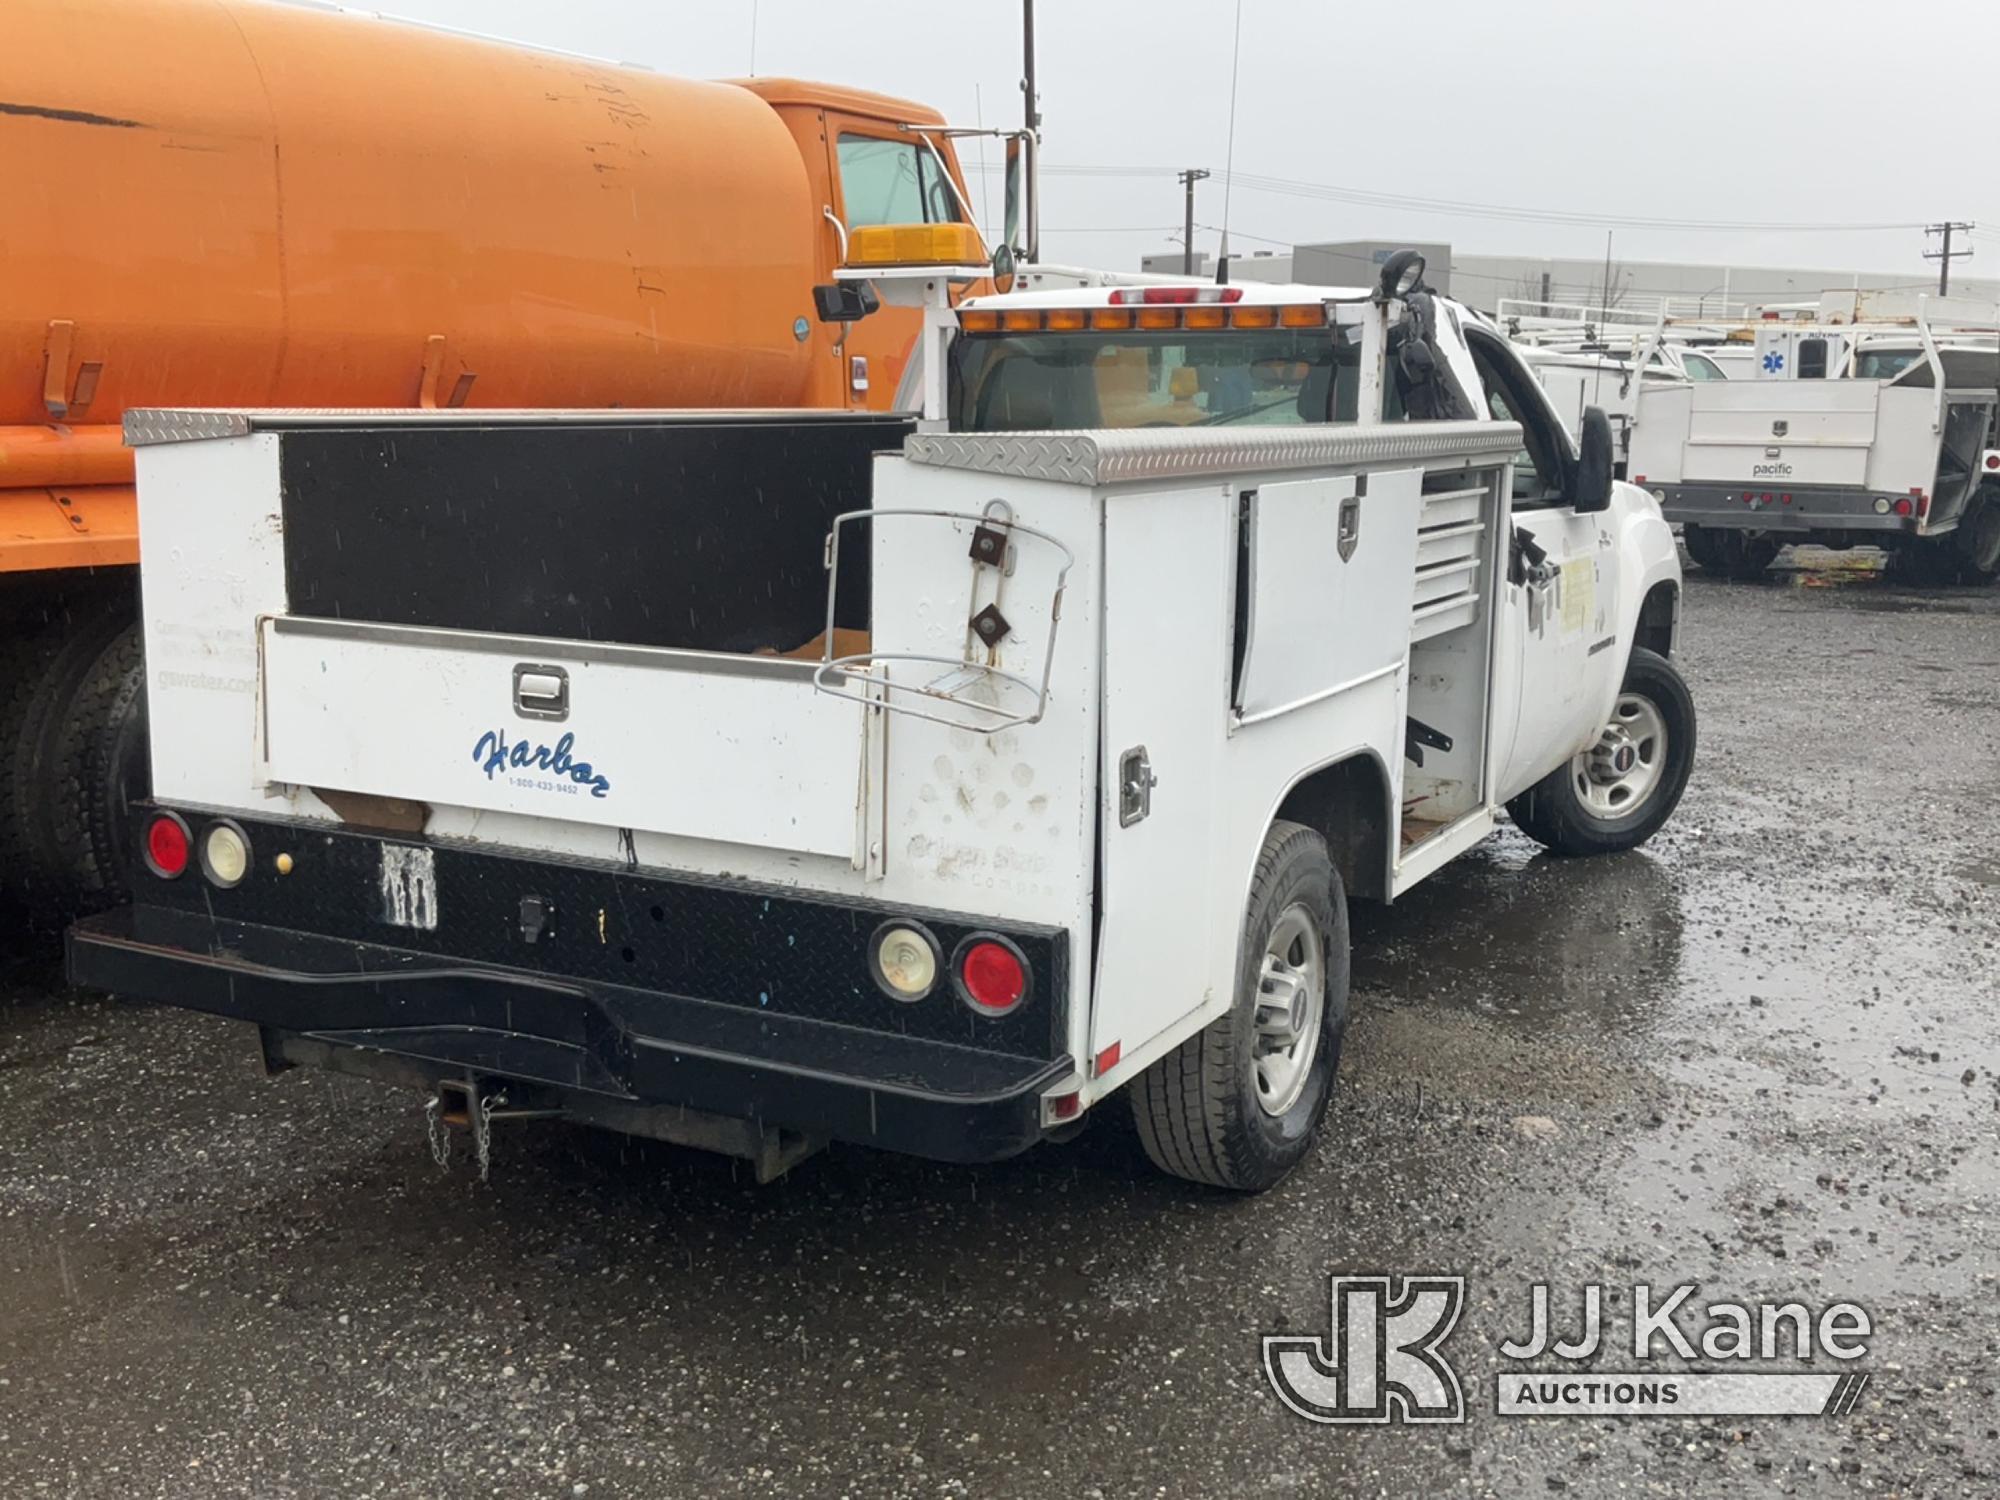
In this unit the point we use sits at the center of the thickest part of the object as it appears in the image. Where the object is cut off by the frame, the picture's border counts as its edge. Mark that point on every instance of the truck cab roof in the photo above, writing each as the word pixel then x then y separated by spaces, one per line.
pixel 806 91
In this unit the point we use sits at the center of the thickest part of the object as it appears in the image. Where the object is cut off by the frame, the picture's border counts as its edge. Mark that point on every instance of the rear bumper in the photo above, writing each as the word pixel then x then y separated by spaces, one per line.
pixel 600 1048
pixel 1808 509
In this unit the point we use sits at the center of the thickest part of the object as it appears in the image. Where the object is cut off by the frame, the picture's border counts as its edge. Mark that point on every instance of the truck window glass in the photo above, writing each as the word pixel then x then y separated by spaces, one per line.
pixel 1538 475
pixel 1701 367
pixel 1045 382
pixel 1883 364
pixel 1812 359
pixel 892 182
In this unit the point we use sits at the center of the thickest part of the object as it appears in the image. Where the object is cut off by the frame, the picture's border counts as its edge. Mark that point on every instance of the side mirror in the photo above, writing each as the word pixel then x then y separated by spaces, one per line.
pixel 845 301
pixel 1590 481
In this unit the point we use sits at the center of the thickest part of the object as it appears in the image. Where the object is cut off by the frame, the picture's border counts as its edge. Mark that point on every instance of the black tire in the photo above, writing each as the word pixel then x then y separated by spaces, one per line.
pixel 41 844
pixel 120 774
pixel 1197 1109
pixel 1704 547
pixel 1744 557
pixel 100 770
pixel 1978 536
pixel 1931 563
pixel 1553 811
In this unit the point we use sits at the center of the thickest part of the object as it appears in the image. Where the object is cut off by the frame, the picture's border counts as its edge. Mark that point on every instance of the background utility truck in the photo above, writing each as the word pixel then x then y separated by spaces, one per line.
pixel 1888 444
pixel 237 203
pixel 920 789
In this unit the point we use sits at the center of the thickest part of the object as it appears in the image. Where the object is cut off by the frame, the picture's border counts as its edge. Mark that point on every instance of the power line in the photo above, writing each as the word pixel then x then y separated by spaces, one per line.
pixel 1369 198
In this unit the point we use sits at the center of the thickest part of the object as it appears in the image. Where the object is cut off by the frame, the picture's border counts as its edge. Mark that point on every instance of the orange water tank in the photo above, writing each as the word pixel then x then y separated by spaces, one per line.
pixel 230 202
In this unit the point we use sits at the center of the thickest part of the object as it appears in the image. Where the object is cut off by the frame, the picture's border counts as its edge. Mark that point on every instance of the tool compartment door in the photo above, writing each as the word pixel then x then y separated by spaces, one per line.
pixel 1770 433
pixel 1168 564
pixel 703 745
pixel 1331 572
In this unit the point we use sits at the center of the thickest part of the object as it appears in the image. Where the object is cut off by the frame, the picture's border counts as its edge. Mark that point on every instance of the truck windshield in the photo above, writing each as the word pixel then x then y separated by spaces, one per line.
pixel 1042 382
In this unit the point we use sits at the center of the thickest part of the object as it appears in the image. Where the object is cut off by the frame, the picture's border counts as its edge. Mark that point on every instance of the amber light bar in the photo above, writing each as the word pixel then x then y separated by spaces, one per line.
pixel 1151 317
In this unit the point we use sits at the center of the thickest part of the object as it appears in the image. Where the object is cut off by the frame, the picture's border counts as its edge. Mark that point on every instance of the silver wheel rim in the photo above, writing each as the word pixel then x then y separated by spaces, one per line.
pixel 1291 1000
pixel 1618 775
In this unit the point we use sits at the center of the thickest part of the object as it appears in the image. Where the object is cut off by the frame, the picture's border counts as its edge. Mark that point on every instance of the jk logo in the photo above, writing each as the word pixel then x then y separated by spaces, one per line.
pixel 1382 1362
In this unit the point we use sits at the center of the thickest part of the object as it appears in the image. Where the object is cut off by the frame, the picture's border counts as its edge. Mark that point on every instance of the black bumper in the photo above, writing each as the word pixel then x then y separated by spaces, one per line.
pixel 1797 510
pixel 759 1054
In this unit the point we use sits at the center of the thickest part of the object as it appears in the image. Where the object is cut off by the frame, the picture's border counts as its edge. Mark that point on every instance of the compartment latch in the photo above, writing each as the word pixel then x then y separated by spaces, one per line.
pixel 541 692
pixel 1135 786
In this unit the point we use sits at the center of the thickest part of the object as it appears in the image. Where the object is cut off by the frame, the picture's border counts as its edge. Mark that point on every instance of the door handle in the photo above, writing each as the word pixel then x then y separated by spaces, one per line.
pixel 541 692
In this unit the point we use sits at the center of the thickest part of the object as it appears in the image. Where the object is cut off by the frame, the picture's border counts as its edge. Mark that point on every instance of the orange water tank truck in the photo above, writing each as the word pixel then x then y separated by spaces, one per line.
pixel 229 202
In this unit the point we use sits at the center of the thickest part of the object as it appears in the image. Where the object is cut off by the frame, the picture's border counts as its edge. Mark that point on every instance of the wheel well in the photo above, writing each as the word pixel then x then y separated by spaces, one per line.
pixel 1659 618
pixel 1347 804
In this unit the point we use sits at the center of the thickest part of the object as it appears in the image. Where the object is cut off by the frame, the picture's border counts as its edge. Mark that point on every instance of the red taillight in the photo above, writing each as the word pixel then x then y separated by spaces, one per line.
pixel 992 977
pixel 1132 296
pixel 1923 502
pixel 1993 460
pixel 1904 507
pixel 167 846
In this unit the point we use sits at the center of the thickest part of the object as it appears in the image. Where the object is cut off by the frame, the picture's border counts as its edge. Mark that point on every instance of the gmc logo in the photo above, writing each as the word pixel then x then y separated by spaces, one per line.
pixel 1381 1363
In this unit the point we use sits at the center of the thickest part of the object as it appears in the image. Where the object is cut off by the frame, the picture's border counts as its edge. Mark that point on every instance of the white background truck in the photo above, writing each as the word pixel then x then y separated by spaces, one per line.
pixel 1889 451
pixel 921 789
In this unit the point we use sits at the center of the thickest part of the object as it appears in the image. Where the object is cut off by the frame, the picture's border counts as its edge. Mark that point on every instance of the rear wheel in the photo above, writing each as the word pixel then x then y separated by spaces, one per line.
pixel 44 762
pixel 1237 1104
pixel 1978 536
pixel 1704 547
pixel 1616 794
pixel 1931 562
pixel 1742 556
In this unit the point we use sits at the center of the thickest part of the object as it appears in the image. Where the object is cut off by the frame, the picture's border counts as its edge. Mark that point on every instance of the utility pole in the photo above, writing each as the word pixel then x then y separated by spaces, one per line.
pixel 1188 179
pixel 1943 255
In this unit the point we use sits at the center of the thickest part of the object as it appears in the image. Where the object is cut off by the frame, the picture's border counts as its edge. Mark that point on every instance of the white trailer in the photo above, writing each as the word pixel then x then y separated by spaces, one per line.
pixel 921 789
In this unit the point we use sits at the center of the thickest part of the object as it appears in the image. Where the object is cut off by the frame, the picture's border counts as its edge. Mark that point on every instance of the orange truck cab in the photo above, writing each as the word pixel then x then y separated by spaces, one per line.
pixel 238 203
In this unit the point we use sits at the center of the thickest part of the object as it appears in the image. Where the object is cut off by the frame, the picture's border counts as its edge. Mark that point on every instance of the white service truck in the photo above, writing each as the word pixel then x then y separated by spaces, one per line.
pixel 1879 437
pixel 751 780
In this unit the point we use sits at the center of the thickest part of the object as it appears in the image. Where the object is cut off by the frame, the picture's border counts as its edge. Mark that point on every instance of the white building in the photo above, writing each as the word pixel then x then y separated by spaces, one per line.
pixel 1482 280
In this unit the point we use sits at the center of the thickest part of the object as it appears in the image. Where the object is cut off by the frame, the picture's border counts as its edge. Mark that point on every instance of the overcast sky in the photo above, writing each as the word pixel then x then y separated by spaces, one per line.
pixel 1767 112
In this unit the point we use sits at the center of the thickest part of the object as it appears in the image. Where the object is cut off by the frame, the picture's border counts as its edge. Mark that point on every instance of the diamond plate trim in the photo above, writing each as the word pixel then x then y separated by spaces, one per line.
pixel 1123 457
pixel 146 425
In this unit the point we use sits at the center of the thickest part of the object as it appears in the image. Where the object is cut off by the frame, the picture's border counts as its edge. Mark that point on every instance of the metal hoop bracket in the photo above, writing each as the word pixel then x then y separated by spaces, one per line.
pixel 958 676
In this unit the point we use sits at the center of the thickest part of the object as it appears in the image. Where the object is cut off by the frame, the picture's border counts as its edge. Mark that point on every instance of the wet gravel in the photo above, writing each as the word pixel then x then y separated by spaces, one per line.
pixel 1759 1055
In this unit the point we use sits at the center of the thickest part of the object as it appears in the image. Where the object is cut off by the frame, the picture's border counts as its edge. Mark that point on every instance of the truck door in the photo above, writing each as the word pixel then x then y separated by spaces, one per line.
pixel 1558 621
pixel 882 175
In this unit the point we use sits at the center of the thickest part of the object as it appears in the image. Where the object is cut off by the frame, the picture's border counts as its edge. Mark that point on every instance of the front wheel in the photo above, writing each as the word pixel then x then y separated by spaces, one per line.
pixel 1237 1104
pixel 1617 793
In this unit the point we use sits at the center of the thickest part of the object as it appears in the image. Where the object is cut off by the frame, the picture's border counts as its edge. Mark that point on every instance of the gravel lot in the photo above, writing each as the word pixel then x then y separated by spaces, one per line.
pixel 1764 1047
